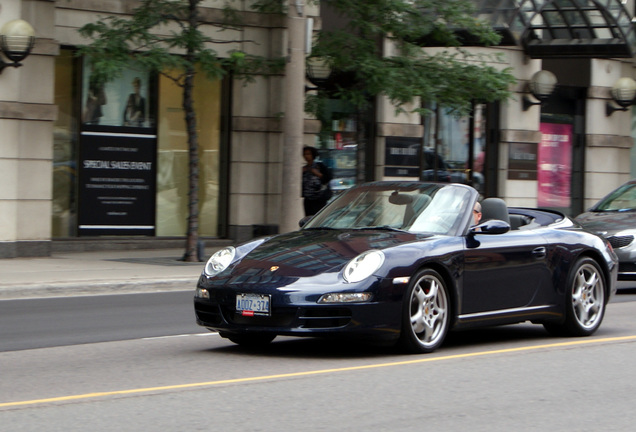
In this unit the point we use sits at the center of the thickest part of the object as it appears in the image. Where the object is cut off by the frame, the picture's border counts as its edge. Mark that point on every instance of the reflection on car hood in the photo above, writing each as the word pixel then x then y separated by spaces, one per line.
pixel 607 222
pixel 310 252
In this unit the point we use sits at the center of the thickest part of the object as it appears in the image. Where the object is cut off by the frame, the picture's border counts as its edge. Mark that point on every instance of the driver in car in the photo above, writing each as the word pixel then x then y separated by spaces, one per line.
pixel 477 213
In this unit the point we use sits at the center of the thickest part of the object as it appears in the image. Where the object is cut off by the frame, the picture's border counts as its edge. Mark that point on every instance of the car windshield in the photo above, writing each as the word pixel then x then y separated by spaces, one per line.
pixel 413 207
pixel 622 199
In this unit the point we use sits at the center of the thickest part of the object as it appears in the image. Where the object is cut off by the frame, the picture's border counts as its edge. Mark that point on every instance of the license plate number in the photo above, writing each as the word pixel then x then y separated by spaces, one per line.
pixel 252 304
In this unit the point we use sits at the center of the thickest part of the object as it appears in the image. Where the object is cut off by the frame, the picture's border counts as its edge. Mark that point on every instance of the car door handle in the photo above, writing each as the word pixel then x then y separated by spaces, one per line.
pixel 539 252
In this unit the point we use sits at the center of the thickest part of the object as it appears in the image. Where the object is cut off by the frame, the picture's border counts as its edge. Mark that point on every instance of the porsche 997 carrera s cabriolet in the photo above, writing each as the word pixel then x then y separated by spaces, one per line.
pixel 404 263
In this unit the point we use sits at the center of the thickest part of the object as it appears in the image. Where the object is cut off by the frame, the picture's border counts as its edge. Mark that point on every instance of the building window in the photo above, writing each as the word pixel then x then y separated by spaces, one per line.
pixel 65 139
pixel 341 143
pixel 112 124
pixel 172 163
pixel 460 146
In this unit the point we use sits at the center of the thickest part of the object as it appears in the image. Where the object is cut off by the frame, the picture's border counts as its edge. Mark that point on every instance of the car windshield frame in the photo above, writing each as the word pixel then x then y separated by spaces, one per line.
pixel 620 200
pixel 415 207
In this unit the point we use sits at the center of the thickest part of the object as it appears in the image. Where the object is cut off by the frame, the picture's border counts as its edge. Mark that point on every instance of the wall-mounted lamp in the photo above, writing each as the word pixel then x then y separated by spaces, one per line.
pixel 299 7
pixel 541 86
pixel 318 71
pixel 16 41
pixel 623 93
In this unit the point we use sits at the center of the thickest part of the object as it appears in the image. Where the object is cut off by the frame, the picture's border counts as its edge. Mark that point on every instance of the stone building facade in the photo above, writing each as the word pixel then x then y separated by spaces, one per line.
pixel 47 189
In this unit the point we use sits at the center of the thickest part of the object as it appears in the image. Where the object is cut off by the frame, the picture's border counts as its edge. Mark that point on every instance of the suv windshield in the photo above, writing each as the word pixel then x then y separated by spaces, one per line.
pixel 428 208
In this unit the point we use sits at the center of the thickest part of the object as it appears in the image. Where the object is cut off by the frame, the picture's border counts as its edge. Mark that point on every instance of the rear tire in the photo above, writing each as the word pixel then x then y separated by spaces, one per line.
pixel 584 302
pixel 425 313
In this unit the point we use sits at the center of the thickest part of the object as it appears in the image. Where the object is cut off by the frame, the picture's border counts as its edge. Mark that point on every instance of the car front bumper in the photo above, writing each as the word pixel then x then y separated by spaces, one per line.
pixel 297 313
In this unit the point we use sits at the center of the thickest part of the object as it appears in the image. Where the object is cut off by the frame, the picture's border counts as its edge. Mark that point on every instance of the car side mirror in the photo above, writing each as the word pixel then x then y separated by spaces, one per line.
pixel 494 226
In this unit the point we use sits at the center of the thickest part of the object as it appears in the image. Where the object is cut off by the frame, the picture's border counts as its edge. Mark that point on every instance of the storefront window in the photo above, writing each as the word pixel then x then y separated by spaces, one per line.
pixel 455 147
pixel 633 150
pixel 117 118
pixel 64 215
pixel 339 144
pixel 172 169
pixel 560 153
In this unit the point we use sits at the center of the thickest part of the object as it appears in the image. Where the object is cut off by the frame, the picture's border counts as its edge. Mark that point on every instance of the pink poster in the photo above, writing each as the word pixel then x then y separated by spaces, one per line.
pixel 554 165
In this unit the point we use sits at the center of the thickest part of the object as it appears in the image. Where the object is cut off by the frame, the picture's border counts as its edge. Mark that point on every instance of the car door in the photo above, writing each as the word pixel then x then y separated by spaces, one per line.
pixel 504 271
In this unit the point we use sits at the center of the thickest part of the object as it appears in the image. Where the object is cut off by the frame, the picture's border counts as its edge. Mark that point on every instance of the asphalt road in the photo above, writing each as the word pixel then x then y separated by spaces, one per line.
pixel 49 322
pixel 497 379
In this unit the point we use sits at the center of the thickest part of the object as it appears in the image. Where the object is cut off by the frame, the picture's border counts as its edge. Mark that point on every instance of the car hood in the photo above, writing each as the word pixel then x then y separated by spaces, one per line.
pixel 607 222
pixel 308 253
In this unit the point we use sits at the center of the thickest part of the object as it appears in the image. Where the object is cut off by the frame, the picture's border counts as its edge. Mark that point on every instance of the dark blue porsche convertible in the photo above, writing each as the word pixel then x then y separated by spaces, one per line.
pixel 402 262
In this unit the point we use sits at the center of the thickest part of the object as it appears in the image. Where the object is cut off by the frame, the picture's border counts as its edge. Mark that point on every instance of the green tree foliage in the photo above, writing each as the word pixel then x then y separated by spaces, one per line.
pixel 165 36
pixel 448 74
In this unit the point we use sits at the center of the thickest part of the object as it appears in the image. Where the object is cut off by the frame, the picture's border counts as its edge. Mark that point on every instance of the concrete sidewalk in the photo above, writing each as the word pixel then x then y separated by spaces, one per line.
pixel 104 272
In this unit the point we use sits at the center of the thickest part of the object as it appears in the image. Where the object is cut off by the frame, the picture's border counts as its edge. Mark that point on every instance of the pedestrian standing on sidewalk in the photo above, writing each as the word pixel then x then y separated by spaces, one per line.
pixel 316 177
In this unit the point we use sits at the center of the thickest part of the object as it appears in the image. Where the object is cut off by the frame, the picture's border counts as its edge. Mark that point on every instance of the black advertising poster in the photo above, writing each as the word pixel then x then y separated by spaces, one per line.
pixel 401 157
pixel 117 183
pixel 522 161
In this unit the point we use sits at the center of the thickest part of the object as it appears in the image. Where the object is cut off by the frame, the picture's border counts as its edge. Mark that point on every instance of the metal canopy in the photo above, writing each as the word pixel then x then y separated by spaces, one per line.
pixel 562 28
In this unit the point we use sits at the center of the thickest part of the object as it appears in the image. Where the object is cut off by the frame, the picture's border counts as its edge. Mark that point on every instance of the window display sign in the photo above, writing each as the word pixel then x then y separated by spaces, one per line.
pixel 554 165
pixel 401 157
pixel 117 184
pixel 522 161
pixel 117 156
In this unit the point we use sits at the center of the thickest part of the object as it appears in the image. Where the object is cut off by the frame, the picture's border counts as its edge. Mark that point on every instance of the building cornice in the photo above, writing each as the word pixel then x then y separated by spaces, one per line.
pixel 520 136
pixel 609 141
pixel 214 16
pixel 28 111
pixel 400 130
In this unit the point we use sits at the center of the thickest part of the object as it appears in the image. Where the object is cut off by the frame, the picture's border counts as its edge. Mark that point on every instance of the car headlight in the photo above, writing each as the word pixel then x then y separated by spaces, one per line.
pixel 363 266
pixel 202 293
pixel 345 297
pixel 219 261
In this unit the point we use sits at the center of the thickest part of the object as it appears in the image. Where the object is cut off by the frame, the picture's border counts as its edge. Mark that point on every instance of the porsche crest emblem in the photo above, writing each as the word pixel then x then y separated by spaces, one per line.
pixel 273 268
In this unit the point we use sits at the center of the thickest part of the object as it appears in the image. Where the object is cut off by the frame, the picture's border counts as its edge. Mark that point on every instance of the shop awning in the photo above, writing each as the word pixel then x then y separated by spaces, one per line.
pixel 563 28
pixel 559 28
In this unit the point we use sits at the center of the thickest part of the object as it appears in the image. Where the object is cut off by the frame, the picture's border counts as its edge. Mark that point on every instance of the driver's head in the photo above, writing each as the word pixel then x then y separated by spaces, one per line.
pixel 477 212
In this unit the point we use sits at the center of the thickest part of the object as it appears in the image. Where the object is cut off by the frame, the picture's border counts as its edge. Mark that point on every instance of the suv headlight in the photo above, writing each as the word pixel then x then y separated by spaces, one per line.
pixel 363 266
pixel 219 261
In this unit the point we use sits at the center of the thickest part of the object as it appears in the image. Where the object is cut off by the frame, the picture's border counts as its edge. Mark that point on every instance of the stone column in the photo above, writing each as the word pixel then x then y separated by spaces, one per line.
pixel 293 128
pixel 27 114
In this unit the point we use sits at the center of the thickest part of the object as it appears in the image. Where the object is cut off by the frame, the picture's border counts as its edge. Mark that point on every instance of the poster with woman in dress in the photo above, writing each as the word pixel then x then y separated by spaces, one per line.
pixel 554 166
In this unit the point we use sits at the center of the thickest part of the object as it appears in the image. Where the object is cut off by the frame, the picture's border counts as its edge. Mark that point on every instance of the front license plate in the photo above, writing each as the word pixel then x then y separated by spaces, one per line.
pixel 252 304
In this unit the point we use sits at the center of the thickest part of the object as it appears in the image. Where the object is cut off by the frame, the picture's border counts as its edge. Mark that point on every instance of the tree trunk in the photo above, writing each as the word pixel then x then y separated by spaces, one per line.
pixel 192 234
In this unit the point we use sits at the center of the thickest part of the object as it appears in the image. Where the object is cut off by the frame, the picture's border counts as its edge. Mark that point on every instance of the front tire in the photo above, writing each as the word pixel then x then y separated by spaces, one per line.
pixel 425 313
pixel 585 301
